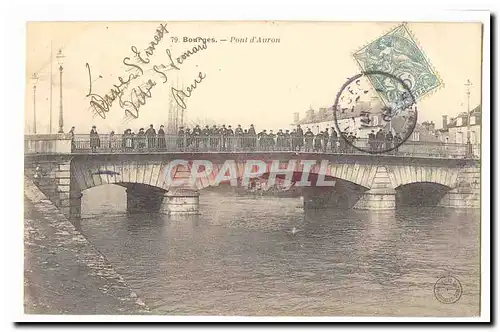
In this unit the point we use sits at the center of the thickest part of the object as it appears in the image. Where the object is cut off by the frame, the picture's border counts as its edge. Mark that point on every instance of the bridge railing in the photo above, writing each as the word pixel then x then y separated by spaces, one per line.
pixel 173 143
pixel 48 144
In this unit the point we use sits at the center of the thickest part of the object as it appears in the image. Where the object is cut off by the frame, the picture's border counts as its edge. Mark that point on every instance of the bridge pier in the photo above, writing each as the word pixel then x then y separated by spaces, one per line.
pixel 377 199
pixel 181 202
pixel 381 196
pixel 467 192
pixel 143 199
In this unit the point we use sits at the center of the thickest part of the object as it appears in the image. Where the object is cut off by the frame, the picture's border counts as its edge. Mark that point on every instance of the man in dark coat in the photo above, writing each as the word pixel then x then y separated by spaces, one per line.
pixel 180 138
pixel 196 137
pixel 326 138
pixel 214 132
pixel 151 136
pixel 270 140
pixel 222 133
pixel 280 137
pixel 300 138
pixel 262 136
pixel 252 137
pixel 229 138
pixel 309 137
pixel 95 141
pixel 334 139
pixel 379 139
pixel 371 140
pixel 205 133
pixel 317 141
pixel 286 140
pixel 141 139
pixel 388 140
pixel 162 143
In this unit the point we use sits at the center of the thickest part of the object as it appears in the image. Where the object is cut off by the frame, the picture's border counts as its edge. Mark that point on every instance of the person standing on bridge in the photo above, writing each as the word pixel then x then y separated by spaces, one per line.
pixel 230 138
pixel 397 142
pixel 334 139
pixel 326 138
pixel 262 140
pixel 205 133
pixel 151 136
pixel 141 139
pixel 72 134
pixel 197 137
pixel 162 144
pixel 280 136
pixel 270 140
pixel 223 134
pixel 188 138
pixel 286 140
pixel 213 139
pixel 371 140
pixel 300 138
pixel 317 141
pixel 238 132
pixel 252 137
pixel 379 139
pixel 95 142
pixel 309 137
pixel 388 140
pixel 294 139
pixel 180 139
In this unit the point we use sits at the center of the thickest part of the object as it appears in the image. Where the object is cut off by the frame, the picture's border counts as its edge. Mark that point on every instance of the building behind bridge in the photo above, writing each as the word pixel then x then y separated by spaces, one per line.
pixel 351 122
pixel 455 129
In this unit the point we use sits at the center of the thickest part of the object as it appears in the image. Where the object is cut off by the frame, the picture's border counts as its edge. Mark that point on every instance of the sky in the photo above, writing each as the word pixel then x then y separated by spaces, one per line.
pixel 243 83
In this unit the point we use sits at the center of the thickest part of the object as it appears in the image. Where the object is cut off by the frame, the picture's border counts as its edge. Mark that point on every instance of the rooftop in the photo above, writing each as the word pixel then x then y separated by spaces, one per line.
pixel 453 121
pixel 326 114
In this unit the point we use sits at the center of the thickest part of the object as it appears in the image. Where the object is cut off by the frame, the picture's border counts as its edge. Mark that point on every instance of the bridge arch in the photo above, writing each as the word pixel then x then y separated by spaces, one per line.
pixel 402 175
pixel 420 194
pixel 89 174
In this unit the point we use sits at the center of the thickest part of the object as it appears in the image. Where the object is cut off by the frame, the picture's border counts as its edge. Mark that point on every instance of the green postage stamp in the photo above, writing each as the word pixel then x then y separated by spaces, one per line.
pixel 398 54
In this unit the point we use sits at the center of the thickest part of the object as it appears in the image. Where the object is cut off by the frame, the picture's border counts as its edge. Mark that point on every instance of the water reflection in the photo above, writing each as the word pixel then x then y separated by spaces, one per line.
pixel 237 257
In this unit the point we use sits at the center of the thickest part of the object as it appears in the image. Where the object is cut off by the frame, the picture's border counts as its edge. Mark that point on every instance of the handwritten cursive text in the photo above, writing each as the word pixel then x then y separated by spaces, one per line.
pixel 180 95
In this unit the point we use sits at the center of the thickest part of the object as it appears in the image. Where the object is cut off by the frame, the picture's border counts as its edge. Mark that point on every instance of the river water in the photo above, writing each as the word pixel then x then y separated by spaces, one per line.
pixel 236 258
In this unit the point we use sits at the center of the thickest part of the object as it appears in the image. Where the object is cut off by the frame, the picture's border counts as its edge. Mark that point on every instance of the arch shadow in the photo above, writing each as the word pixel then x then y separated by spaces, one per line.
pixel 420 194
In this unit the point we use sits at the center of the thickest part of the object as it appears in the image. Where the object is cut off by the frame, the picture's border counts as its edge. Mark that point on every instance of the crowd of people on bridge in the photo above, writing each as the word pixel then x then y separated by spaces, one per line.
pixel 225 138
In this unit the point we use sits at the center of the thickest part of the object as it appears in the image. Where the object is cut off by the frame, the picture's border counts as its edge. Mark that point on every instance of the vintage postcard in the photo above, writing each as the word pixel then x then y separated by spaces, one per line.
pixel 254 168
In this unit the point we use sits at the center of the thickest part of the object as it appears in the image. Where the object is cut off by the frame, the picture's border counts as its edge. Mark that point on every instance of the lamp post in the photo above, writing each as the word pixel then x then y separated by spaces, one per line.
pixel 60 58
pixel 469 145
pixel 34 80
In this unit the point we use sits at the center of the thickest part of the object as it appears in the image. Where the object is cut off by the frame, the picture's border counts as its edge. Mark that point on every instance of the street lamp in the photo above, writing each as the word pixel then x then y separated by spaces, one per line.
pixel 469 145
pixel 34 80
pixel 60 58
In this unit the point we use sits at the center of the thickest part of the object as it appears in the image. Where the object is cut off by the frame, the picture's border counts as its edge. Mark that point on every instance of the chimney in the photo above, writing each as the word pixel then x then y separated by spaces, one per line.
pixel 322 112
pixel 445 121
pixel 295 117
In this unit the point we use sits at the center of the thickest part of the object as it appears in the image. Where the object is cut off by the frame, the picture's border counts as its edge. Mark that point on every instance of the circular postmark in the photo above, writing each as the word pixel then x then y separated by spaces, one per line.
pixel 375 112
pixel 448 289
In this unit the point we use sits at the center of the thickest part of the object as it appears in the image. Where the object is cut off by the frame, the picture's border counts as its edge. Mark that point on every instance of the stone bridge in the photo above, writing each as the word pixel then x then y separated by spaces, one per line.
pixel 362 181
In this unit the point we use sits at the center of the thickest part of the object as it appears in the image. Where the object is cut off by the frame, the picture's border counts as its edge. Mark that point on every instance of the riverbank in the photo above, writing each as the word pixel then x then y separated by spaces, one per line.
pixel 63 272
